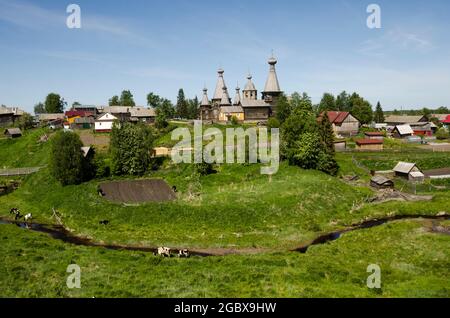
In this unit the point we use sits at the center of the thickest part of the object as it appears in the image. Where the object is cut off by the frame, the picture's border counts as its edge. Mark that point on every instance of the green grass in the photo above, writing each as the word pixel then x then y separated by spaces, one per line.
pixel 413 262
pixel 236 208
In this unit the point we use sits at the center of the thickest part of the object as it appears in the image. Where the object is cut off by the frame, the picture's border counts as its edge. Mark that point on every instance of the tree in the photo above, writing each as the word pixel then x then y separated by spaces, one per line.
pixel 326 133
pixel 126 99
pixel 301 102
pixel 361 109
pixel 181 108
pixel 154 100
pixel 379 115
pixel 130 147
pixel 75 104
pixel 426 112
pixel 67 162
pixel 343 102
pixel 327 103
pixel 114 101
pixel 54 103
pixel 39 108
pixel 283 109
pixel 25 121
pixel 192 110
pixel 306 151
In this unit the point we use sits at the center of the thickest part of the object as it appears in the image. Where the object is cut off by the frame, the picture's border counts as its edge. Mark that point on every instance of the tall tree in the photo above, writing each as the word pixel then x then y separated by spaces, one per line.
pixel 343 102
pixel 67 162
pixel 327 103
pixel 54 103
pixel 114 101
pixel 283 109
pixel 361 109
pixel 75 104
pixel 379 114
pixel 126 99
pixel 326 133
pixel 193 105
pixel 39 108
pixel 130 147
pixel 182 107
pixel 154 100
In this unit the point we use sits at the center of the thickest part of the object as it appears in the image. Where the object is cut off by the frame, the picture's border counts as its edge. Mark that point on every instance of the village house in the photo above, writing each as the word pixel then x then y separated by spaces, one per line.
pixel 395 120
pixel 402 131
pixel 446 122
pixel 9 115
pixel 408 170
pixel 122 113
pixel 141 114
pixel 13 133
pixel 369 144
pixel 47 119
pixel 105 122
pixel 344 124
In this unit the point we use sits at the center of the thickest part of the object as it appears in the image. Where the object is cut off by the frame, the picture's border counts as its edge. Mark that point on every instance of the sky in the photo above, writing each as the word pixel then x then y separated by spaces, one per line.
pixel 161 46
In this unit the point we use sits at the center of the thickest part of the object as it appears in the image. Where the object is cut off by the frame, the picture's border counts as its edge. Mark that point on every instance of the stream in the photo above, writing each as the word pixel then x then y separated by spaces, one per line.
pixel 58 232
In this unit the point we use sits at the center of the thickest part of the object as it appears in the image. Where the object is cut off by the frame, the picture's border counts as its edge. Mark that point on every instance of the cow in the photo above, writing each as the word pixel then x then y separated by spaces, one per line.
pixel 104 222
pixel 163 251
pixel 28 217
pixel 183 253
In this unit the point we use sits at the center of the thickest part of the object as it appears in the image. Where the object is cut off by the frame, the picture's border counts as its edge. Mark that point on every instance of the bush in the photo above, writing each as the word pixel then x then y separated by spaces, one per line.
pixel 234 120
pixel 67 162
pixel 442 134
pixel 204 168
pixel 273 123
pixel 102 166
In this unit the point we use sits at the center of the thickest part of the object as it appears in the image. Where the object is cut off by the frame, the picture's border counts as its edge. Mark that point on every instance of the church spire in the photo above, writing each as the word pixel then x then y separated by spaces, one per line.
pixel 205 100
pixel 225 101
pixel 219 86
pixel 272 85
pixel 237 97
pixel 250 91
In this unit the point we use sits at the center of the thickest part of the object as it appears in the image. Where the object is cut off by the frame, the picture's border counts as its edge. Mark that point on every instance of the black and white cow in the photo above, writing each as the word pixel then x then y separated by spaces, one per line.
pixel 183 253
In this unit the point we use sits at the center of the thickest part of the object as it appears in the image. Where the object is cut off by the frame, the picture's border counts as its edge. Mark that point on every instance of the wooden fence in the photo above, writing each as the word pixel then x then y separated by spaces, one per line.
pixel 18 171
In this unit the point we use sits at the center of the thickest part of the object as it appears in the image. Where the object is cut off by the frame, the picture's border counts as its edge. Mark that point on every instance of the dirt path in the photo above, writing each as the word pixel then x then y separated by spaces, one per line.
pixel 60 233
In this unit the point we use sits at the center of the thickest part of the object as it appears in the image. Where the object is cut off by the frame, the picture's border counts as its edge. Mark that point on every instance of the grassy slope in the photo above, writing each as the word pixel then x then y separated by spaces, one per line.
pixel 238 207
pixel 414 263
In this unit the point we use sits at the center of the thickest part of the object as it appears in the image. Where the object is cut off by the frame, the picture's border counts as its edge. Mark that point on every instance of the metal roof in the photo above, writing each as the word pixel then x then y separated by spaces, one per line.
pixel 404 129
pixel 403 119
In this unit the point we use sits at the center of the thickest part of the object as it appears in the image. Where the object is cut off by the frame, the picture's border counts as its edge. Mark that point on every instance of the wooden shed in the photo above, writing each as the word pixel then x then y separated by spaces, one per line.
pixel 381 182
pixel 13 132
pixel 369 144
pixel 408 170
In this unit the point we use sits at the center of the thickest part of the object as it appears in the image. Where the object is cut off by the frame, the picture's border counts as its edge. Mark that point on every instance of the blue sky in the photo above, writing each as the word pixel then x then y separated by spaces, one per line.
pixel 161 46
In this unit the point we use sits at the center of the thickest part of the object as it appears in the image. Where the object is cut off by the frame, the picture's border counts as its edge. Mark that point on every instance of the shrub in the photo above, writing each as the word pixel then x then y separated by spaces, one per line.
pixel 234 120
pixel 442 133
pixel 273 123
pixel 204 168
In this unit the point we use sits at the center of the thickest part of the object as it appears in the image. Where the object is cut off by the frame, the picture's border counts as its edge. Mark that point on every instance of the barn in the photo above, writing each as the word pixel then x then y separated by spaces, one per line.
pixel 343 123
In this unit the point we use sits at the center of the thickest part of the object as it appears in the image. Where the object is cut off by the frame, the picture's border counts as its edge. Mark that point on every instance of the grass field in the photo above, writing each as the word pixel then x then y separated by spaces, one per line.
pixel 234 208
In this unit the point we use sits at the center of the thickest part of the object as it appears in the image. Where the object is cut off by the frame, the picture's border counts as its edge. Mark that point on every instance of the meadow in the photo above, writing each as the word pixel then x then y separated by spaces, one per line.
pixel 234 208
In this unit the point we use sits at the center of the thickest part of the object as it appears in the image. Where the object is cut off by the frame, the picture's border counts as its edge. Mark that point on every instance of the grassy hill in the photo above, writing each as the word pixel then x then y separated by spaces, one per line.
pixel 234 208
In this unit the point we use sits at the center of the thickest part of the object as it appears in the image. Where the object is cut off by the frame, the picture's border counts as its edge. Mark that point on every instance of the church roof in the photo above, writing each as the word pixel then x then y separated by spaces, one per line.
pixel 254 103
pixel 205 100
pixel 249 86
pixel 272 84
pixel 237 97
pixel 219 86
pixel 225 97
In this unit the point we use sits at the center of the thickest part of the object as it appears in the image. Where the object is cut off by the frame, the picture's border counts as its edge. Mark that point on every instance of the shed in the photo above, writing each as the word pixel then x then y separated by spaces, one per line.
pixel 416 176
pixel 404 170
pixel 13 132
pixel 381 182
pixel 374 135
pixel 369 144
pixel 402 131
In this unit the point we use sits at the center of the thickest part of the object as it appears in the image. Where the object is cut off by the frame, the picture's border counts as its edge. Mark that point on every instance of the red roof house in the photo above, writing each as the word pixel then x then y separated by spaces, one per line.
pixel 343 122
